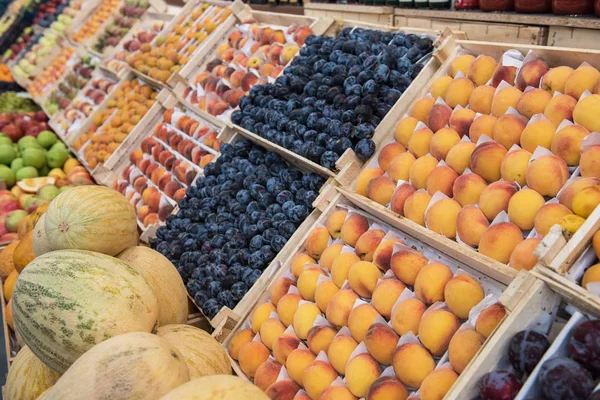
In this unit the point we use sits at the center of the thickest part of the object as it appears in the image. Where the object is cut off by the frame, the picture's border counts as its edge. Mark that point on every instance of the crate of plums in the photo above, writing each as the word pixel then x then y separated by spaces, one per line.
pixel 362 310
pixel 497 149
pixel 237 223
pixel 329 101
pixel 548 348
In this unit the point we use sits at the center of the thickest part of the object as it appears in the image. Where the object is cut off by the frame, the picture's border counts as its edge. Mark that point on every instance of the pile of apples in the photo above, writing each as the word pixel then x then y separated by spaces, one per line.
pixel 70 86
pixel 39 47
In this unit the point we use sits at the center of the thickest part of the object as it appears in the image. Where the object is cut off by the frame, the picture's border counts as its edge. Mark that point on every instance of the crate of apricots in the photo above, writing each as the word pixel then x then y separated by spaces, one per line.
pixel 93 23
pixel 181 40
pixel 111 126
pixel 365 311
pixel 496 151
pixel 158 171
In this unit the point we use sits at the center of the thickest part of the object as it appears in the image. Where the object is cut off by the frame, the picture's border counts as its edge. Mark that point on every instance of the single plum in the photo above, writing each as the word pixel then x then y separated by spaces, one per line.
pixel 565 379
pixel 584 345
pixel 499 385
pixel 526 349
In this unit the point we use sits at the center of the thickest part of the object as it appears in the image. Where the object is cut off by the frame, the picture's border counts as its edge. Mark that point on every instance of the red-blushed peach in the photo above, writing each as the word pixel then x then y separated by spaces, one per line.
pixel 421 109
pixel 590 162
pixel 420 170
pixel 585 77
pixel 387 387
pixel 340 267
pixel 514 166
pixel 360 319
pixel 381 189
pixel 287 306
pixel 504 99
pixel 508 129
pixel 459 92
pixel 470 225
pixel 415 206
pixel 461 120
pixel 430 282
pixel 284 389
pixel 531 73
pixel 464 345
pixel 566 143
pixel 556 78
pixel 266 374
pixel 549 215
pixel 354 226
pixel 482 69
pixel 304 318
pixel 399 168
pixel 385 295
pixel 437 384
pixel 404 129
pixel 283 346
pixel 320 337
pixel 495 198
pixel 441 217
pixel 412 363
pixel 406 265
pixel 280 288
pixel 381 341
pixel 481 99
pixel 559 108
pixel 439 116
pixel 334 223
pixel 591 275
pixel 584 113
pixel 436 329
pixel 299 261
pixel 388 153
pixel 251 356
pixel 324 292
pixel 486 160
pixel 241 338
pixel 459 156
pixel 523 207
pixel 329 254
pixel 407 315
pixel 462 64
pixel 547 175
pixel 367 244
pixel 340 349
pixel 363 277
pixel 339 307
pixel 419 142
pixel 297 362
pixel 307 282
pixel 442 141
pixel 499 241
pixel 440 86
pixel 567 193
pixel 537 133
pixel 482 125
pixel 467 189
pixel 317 241
pixel 361 372
pixel 522 256
pixel 365 177
pixel 261 314
pixel 461 294
pixel 533 101
pixel 337 393
pixel 441 179
pixel 504 73
pixel 489 318
pixel 403 192
pixel 383 253
pixel 270 330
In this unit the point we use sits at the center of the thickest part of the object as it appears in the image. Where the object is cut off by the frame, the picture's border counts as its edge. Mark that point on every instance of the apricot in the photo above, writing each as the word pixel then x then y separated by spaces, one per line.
pixel 482 125
pixel 241 338
pixel 481 99
pixel 381 341
pixel 586 201
pixel 399 167
pixel 337 393
pixel 537 133
pixel 280 288
pixel 459 92
pixel 430 282
pixel 504 99
pixel 412 363
pixel 420 141
pixel 547 175
pixel 363 277
pixel 461 294
pixel 407 316
pixel 360 319
pixel 482 69
pixel 307 283
pixel 459 156
pixel 340 306
pixel 585 111
pixel 440 86
pixel 567 143
pixel 462 64
pixel 387 387
pixel 415 206
pixel 439 116
pixel 270 330
pixel 470 225
pixel 442 141
pixel 467 189
pixel 304 318
pixel 299 261
pixel 340 267
pixel 441 179
pixel 405 128
pixel 388 153
pixel 514 166
pixel 366 175
pixel 461 120
pixel 549 215
pixel 287 307
pixel 251 356
pixel 334 223
pixel 437 384
pixel 319 338
pixel 283 390
pixel 556 78
pixel 329 254
pixel 489 318
pixel 441 217
pixel 317 241
pixel 522 256
pixel 495 198
pixel 361 372
pixel 436 329
pixel 567 193
pixel 531 73
pixel 559 108
pixel 533 101
pixel 354 226
pixel 261 314
pixel 324 292
pixel 464 345
pixel 266 374
pixel 381 189
pixel 420 111
pixel 507 130
pixel 585 77
pixel 486 160
pixel 420 170
pixel 590 162
pixel 499 241
pixel 340 349
pixel 297 362
pixel 523 207
pixel 383 253
pixel 367 244
pixel 406 265
pixel 591 275
pixel 283 347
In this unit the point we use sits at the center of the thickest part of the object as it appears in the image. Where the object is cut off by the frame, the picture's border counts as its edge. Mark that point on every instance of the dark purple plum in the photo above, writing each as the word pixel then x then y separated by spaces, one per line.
pixel 565 379
pixel 526 349
pixel 584 345
pixel 499 385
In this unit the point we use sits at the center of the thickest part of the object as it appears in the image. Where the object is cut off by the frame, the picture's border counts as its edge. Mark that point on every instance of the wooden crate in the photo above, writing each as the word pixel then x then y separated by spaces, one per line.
pixel 383 15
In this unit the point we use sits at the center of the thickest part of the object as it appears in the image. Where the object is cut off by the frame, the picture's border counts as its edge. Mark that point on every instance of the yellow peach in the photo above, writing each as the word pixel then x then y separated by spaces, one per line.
pixel 464 345
pixel 363 277
pixel 461 294
pixel 340 267
pixel 431 281
pixel 407 316
pixel 523 207
pixel 522 256
pixel 340 306
pixel 504 99
pixel 470 225
pixel 340 349
pixel 499 241
pixel 537 133
pixel 415 206
pixel 361 372
pixel 304 318
pixel 399 168
pixel 404 129
pixel 547 175
pixel 360 319
pixel 412 363
pixel 514 166
pixel 481 99
pixel 436 329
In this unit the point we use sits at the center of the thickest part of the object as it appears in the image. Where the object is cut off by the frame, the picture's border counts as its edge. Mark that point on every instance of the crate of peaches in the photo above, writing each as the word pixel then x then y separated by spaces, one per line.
pixel 494 152
pixel 362 310
pixel 62 63
pixel 254 51
pixel 183 38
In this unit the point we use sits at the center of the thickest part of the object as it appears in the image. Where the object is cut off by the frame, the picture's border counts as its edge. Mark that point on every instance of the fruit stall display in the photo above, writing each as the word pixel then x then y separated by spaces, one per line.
pixel 183 38
pixel 59 67
pixel 12 102
pixel 83 32
pixel 252 51
pixel 20 44
pixel 362 302
pixel 36 56
pixel 490 157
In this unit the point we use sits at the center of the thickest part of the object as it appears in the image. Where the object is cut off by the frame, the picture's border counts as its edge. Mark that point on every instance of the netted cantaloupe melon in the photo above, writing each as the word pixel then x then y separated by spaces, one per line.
pixel 28 377
pixel 39 242
pixel 135 365
pixel 217 387
pixel 203 354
